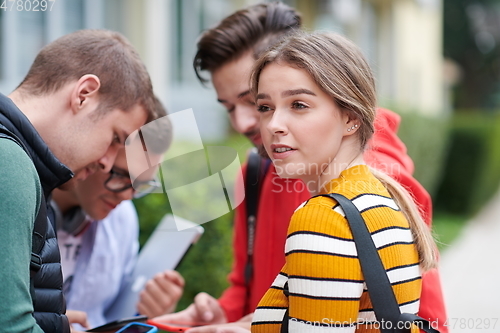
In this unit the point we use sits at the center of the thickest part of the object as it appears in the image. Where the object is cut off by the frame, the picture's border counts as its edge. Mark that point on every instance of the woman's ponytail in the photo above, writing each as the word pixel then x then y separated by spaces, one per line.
pixel 422 236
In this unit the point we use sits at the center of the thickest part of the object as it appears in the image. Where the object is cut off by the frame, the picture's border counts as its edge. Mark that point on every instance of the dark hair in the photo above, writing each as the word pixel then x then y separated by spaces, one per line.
pixel 125 81
pixel 254 28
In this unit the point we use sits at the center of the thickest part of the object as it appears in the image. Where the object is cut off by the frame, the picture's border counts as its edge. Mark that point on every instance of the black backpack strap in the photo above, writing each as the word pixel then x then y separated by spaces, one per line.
pixel 256 169
pixel 252 200
pixel 38 240
pixel 384 302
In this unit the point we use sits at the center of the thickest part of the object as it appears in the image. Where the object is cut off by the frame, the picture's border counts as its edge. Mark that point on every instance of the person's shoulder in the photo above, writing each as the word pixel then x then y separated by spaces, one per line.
pixel 313 212
pixel 318 202
pixel 16 167
pixel 20 184
pixel 11 151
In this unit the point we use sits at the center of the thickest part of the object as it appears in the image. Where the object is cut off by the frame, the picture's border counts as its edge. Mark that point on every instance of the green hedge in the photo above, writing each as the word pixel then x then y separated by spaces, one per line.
pixel 426 139
pixel 472 167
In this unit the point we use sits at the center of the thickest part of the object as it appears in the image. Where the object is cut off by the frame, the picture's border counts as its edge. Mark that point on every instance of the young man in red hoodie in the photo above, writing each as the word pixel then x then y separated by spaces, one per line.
pixel 228 51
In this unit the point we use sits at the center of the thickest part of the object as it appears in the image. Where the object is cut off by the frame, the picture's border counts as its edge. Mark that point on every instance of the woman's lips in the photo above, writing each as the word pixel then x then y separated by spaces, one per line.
pixel 281 151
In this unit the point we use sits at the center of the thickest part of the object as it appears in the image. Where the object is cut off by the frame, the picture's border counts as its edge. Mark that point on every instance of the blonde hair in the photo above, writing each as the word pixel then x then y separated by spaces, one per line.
pixel 339 68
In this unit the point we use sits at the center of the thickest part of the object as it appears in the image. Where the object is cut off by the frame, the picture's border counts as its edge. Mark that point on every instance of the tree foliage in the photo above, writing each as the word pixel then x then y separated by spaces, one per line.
pixel 472 40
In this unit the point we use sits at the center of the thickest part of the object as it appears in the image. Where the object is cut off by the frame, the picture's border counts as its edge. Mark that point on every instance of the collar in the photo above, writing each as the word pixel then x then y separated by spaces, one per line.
pixel 74 222
pixel 352 176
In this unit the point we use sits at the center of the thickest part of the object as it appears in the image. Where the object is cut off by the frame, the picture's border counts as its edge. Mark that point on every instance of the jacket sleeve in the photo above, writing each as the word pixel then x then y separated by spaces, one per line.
pixel 234 298
pixel 19 201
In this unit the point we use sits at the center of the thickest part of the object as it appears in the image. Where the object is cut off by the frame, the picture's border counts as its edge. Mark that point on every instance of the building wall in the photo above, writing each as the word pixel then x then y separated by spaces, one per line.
pixel 418 52
pixel 401 39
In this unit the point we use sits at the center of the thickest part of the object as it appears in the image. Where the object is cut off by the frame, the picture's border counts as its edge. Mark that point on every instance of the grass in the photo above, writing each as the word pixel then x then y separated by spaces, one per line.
pixel 446 228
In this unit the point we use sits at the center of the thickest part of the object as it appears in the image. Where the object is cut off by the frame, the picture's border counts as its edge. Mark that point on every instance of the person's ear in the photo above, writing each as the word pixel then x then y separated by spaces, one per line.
pixel 352 123
pixel 85 92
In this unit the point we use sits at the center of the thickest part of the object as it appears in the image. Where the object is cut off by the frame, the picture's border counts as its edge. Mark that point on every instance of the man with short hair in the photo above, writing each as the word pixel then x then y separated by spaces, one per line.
pixel 228 51
pixel 98 230
pixel 83 95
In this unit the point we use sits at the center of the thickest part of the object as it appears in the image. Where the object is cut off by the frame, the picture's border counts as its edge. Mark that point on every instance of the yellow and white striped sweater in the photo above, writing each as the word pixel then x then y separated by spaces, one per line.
pixel 326 285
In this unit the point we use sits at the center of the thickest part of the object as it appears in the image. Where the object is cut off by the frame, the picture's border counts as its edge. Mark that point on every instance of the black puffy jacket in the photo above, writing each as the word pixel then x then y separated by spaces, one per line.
pixel 48 302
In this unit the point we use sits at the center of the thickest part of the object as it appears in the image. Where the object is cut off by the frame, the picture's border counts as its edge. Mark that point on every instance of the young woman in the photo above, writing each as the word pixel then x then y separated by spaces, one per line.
pixel 316 95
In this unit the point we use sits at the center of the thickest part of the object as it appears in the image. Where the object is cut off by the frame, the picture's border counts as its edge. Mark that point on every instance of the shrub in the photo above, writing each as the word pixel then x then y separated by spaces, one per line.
pixel 471 174
pixel 426 139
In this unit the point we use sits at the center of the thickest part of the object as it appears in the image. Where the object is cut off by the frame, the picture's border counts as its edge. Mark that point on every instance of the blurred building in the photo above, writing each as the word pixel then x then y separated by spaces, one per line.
pixel 401 38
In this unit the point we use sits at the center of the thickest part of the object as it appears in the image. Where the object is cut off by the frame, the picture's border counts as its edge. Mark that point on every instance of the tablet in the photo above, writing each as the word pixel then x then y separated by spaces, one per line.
pixel 164 250
pixel 117 324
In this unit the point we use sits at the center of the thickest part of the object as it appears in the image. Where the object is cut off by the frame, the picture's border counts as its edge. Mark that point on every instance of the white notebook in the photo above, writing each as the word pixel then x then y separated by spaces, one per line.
pixel 164 250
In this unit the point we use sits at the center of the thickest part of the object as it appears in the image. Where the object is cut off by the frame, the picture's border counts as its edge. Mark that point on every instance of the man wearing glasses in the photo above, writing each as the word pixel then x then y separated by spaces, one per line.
pixel 98 231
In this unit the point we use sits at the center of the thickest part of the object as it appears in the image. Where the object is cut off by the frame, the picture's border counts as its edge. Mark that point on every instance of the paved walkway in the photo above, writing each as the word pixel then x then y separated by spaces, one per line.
pixel 470 273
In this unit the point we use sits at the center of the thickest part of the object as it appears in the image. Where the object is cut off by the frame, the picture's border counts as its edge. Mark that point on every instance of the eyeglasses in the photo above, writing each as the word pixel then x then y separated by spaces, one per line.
pixel 118 182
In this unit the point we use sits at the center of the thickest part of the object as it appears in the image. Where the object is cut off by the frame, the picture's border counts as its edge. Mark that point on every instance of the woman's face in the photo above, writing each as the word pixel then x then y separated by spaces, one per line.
pixel 302 127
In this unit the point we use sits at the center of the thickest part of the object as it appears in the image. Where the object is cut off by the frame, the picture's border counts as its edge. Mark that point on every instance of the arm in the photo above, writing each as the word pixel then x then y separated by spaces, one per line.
pixel 205 310
pixel 161 294
pixel 317 248
pixel 77 317
pixel 324 279
pixel 241 326
pixel 19 202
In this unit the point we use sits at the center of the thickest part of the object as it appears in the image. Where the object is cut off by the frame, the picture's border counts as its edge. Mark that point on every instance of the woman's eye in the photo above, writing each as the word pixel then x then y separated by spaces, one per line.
pixel 263 108
pixel 299 105
pixel 116 139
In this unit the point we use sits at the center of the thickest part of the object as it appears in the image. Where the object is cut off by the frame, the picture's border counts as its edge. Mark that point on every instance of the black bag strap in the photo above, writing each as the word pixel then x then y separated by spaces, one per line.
pixel 40 227
pixel 38 240
pixel 252 200
pixel 379 287
pixel 256 169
